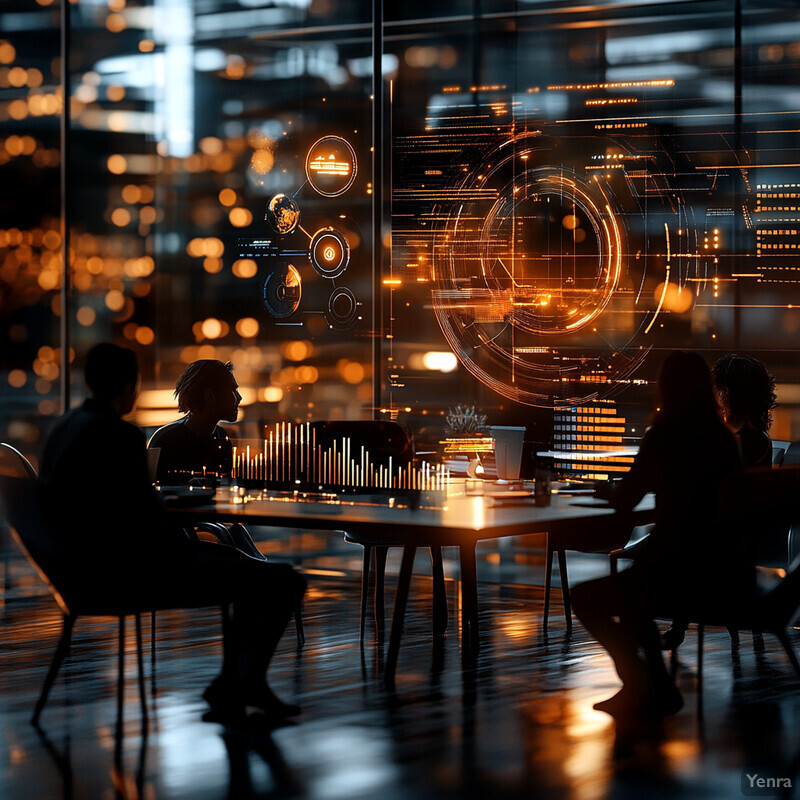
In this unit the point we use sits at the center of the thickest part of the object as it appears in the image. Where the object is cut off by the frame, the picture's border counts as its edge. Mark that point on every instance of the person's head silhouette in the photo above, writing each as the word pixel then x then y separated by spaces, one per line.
pixel 685 386
pixel 112 375
pixel 746 391
pixel 207 388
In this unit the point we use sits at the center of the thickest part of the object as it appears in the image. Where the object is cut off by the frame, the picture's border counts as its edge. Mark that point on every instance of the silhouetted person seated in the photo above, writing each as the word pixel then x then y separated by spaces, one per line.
pixel 195 447
pixel 746 394
pixel 118 540
pixel 685 565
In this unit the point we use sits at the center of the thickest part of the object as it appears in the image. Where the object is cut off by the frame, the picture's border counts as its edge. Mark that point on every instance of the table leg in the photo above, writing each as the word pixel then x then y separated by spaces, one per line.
pixel 398 618
pixel 439 592
pixel 548 580
pixel 469 600
pixel 364 588
pixel 562 573
pixel 380 575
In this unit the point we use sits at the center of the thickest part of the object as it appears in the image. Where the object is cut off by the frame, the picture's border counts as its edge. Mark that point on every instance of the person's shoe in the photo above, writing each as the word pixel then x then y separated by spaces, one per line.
pixel 224 700
pixel 656 702
pixel 262 700
pixel 624 703
pixel 672 638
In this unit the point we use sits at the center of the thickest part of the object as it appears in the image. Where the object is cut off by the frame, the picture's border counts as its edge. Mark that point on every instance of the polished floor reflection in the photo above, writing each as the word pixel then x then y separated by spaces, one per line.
pixel 518 723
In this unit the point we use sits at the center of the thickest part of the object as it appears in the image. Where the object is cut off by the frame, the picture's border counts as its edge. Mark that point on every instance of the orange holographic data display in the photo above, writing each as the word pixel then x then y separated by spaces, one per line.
pixel 331 166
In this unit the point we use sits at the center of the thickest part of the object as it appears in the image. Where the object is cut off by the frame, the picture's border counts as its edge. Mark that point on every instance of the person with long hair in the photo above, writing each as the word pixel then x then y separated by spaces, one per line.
pixel 682 565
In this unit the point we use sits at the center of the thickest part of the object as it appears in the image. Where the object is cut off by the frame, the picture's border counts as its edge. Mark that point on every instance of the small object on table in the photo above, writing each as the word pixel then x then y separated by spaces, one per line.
pixel 542 487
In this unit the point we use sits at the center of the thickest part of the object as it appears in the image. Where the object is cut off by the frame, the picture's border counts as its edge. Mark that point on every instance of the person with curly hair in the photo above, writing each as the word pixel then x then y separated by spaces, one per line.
pixel 746 391
pixel 746 394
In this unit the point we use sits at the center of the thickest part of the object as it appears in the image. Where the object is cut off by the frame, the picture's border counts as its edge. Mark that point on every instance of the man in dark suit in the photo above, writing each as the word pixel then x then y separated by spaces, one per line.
pixel 117 537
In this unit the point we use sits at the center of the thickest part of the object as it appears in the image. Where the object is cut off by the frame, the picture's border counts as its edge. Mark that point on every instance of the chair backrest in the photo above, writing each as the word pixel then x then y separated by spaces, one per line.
pixel 791 458
pixel 23 505
pixel 780 605
pixel 762 504
pixel 12 462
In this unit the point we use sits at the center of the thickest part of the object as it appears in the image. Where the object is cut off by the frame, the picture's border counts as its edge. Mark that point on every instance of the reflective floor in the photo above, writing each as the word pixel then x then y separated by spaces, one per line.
pixel 518 724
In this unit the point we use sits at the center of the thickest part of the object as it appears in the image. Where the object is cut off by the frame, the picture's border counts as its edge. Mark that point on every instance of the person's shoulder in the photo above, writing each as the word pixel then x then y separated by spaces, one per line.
pixel 131 430
pixel 169 433
pixel 756 447
pixel 220 433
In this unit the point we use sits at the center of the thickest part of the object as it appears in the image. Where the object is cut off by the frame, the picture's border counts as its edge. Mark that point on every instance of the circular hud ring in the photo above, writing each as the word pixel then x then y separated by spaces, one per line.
pixel 283 214
pixel 551 252
pixel 329 253
pixel 283 289
pixel 331 166
pixel 529 282
pixel 342 308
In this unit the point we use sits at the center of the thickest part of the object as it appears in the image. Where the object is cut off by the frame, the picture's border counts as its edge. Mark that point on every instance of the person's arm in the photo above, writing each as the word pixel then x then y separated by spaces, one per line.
pixel 625 494
pixel 142 501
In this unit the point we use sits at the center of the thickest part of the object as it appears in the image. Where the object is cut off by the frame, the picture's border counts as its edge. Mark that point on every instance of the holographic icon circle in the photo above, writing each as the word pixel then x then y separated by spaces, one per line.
pixel 329 253
pixel 283 289
pixel 342 308
pixel 283 214
pixel 331 166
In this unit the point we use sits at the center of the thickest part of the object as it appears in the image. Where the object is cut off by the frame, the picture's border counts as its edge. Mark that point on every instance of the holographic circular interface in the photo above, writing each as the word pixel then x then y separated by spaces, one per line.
pixel 331 166
pixel 329 253
pixel 342 308
pixel 549 245
pixel 548 279
pixel 283 214
pixel 283 289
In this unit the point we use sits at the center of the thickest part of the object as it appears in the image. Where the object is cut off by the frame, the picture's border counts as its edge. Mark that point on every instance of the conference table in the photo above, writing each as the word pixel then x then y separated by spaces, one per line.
pixel 451 517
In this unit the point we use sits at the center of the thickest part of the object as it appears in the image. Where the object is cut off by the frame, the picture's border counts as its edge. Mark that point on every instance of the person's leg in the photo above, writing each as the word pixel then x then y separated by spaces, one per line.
pixel 262 609
pixel 673 637
pixel 616 611
pixel 263 597
pixel 599 605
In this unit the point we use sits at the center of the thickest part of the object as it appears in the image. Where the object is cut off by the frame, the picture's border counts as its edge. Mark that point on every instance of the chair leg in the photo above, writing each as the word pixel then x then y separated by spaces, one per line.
pixel 228 657
pixel 783 636
pixel 380 575
pixel 298 624
pixel 562 571
pixel 548 580
pixel 58 658
pixel 700 638
pixel 140 663
pixel 365 564
pixel 153 641
pixel 439 592
pixel 121 670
